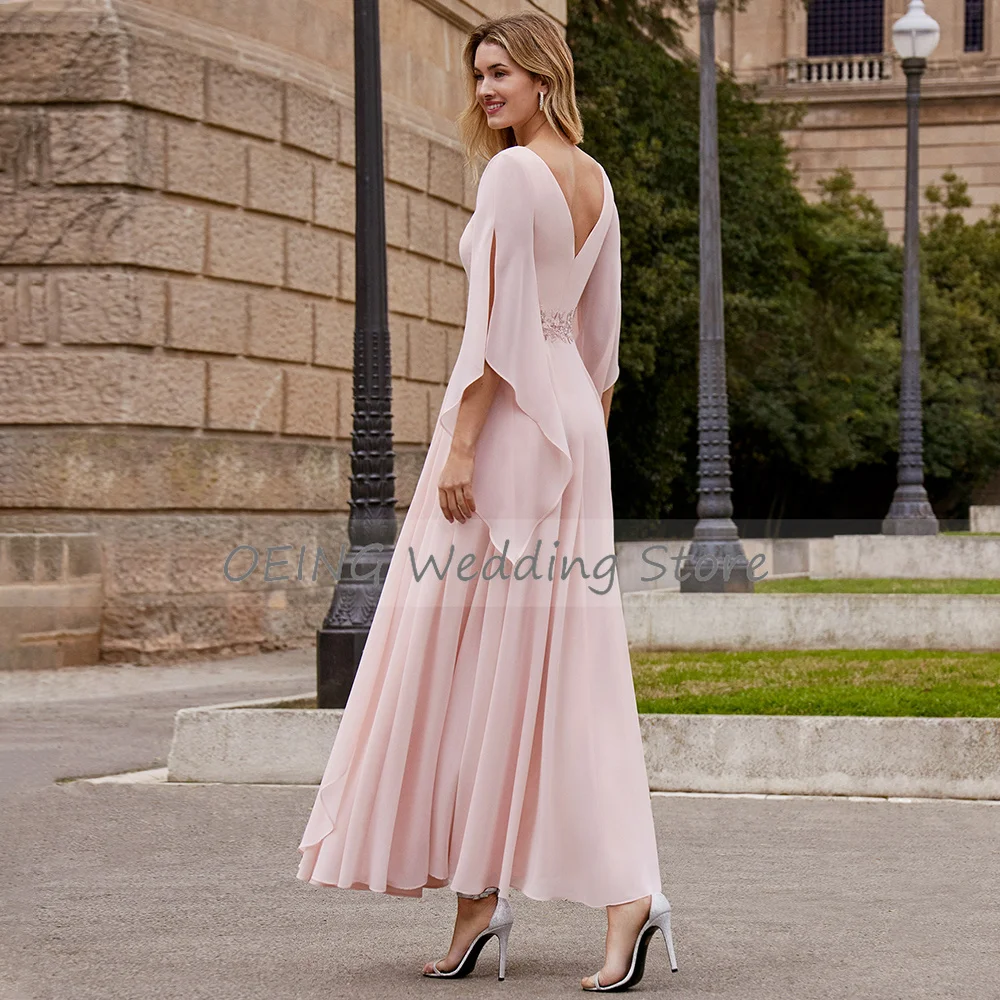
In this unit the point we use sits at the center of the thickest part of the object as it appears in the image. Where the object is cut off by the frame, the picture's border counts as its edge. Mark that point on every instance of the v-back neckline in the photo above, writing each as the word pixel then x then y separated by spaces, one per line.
pixel 565 201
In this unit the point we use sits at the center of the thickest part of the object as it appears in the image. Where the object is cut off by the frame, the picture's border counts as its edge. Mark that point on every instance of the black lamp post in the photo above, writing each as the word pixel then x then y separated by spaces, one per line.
pixel 715 560
pixel 372 519
pixel 915 36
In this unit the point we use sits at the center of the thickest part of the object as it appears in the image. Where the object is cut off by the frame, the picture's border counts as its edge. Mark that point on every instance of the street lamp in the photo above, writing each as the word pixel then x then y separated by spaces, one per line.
pixel 371 526
pixel 915 36
pixel 715 561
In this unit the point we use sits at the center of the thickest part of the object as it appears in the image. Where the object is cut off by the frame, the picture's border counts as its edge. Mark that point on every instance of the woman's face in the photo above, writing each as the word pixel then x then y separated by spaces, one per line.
pixel 507 93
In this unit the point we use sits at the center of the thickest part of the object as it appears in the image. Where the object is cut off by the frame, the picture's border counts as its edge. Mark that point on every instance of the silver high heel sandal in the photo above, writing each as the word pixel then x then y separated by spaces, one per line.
pixel 499 925
pixel 659 920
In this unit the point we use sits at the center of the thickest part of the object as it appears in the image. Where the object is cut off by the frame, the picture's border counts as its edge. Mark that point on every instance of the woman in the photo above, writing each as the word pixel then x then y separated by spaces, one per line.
pixel 491 738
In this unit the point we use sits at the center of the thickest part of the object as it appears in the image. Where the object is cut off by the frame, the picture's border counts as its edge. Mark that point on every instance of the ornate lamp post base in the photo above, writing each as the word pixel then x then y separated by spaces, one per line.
pixel 910 513
pixel 341 652
pixel 341 640
pixel 715 562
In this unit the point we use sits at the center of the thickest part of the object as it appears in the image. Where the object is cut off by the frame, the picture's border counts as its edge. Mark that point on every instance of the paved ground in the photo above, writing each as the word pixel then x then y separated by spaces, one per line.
pixel 188 892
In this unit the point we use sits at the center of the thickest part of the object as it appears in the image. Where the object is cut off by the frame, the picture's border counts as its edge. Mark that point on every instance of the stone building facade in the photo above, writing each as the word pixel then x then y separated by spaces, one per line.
pixel 838 59
pixel 176 309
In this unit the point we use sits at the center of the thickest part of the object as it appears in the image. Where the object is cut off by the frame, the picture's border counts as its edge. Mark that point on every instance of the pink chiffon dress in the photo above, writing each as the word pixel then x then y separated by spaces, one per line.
pixel 491 736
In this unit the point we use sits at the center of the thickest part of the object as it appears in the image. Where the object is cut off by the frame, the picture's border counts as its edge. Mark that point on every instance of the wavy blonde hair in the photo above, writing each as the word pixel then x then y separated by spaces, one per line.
pixel 537 45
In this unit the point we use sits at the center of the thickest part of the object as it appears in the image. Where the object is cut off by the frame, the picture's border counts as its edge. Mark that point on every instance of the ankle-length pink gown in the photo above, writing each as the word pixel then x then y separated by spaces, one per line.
pixel 491 736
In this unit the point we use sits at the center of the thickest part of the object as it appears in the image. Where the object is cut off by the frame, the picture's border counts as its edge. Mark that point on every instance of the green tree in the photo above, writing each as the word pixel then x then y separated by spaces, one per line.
pixel 960 337
pixel 807 288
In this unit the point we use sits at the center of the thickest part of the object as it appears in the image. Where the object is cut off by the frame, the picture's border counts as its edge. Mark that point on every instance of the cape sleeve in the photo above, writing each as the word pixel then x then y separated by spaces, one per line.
pixel 599 313
pixel 522 462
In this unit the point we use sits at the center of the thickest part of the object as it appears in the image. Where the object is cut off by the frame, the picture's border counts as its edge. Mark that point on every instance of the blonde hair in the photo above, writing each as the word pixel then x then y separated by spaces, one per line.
pixel 537 45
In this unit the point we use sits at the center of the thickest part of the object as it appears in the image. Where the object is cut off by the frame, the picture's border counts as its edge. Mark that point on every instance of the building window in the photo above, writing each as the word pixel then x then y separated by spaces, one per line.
pixel 973 25
pixel 846 27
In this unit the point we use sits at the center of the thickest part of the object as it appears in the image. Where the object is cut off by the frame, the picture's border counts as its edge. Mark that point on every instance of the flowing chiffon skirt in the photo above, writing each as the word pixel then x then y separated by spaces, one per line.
pixel 491 737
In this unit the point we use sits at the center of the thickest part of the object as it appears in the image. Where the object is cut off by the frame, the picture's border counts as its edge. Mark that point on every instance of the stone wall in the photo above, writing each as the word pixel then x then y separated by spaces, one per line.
pixel 51 593
pixel 176 296
pixel 960 134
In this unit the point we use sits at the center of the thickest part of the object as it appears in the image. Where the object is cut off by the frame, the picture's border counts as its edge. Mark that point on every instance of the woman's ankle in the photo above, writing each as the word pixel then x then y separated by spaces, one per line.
pixel 491 891
pixel 469 908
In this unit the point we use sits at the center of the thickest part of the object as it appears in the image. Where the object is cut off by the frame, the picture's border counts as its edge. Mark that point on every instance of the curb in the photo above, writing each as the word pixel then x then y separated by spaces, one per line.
pixel 157 777
pixel 260 742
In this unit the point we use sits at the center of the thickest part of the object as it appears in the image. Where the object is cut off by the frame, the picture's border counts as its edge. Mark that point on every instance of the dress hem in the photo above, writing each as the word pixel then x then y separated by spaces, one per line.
pixel 416 892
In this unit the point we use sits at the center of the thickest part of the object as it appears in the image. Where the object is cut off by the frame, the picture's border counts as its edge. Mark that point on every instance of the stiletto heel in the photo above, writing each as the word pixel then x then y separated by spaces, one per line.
pixel 658 920
pixel 663 922
pixel 499 926
pixel 502 934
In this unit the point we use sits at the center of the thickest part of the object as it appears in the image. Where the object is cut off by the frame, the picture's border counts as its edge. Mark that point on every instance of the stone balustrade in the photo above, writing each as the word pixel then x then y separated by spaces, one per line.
pixel 859 70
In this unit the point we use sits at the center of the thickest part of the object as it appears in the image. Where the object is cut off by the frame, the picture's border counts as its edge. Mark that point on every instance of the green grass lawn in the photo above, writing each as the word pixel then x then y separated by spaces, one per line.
pixel 887 585
pixel 814 682
pixel 819 682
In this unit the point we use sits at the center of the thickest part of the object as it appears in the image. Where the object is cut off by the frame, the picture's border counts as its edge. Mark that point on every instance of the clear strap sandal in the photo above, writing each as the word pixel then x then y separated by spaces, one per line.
pixel 499 925
pixel 659 920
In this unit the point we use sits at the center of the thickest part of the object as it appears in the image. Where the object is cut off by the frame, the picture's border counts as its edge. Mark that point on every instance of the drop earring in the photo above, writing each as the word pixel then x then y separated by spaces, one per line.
pixel 539 100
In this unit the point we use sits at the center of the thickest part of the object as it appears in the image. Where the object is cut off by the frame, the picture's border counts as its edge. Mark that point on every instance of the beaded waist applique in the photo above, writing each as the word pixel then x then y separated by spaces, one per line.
pixel 558 325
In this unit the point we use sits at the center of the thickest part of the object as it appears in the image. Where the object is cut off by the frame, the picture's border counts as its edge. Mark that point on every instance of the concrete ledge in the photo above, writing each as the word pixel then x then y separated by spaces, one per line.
pixel 824 755
pixel 984 519
pixel 948 557
pixel 666 620
pixel 766 754
pixel 652 564
pixel 243 743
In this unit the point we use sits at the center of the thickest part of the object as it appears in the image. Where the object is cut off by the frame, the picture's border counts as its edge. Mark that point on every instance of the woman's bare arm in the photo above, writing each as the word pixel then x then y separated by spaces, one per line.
pixel 455 484
pixel 606 403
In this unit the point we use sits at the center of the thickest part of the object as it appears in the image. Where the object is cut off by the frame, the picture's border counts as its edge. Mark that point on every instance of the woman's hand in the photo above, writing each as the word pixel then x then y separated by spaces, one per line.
pixel 455 484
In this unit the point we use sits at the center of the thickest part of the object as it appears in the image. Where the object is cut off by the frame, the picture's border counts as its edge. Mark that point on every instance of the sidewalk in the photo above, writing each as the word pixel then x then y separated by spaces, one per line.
pixel 186 891
pixel 85 721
